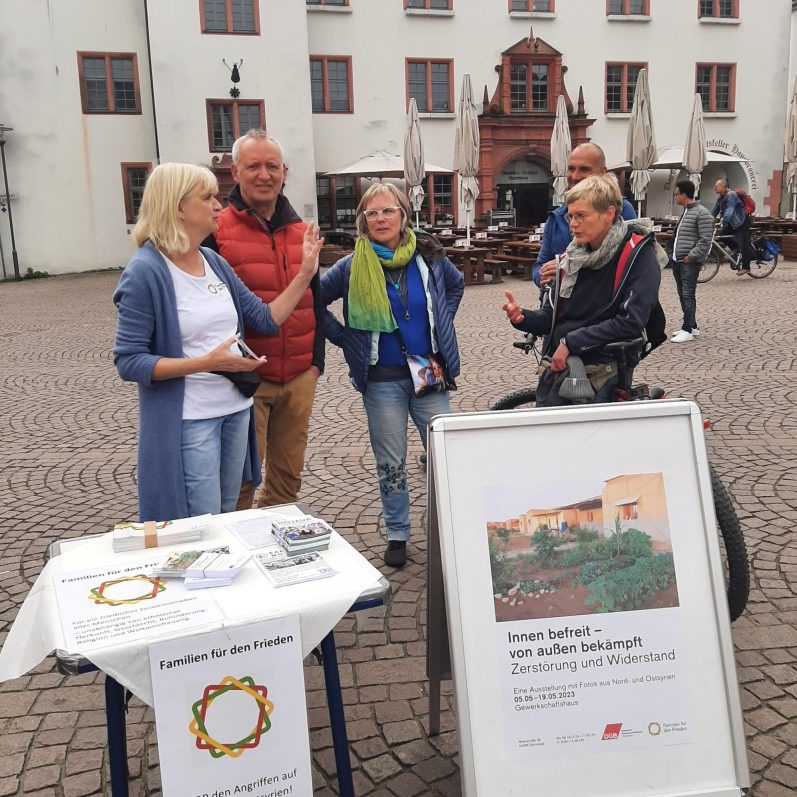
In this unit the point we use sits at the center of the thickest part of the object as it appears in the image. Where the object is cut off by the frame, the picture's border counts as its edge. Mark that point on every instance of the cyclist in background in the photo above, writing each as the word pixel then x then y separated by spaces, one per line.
pixel 735 221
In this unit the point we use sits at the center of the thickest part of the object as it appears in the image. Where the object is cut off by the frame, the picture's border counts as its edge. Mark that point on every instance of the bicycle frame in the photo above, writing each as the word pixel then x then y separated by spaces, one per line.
pixel 722 250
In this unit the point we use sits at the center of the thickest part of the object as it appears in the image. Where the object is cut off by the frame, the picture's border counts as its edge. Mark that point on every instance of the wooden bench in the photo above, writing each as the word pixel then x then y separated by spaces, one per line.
pixel 495 267
pixel 527 263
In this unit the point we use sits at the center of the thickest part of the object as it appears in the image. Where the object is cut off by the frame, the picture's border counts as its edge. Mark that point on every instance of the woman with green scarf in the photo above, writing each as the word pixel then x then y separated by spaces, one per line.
pixel 400 295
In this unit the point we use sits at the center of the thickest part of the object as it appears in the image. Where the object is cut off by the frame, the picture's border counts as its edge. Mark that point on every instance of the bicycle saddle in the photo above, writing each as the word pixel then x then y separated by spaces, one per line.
pixel 576 387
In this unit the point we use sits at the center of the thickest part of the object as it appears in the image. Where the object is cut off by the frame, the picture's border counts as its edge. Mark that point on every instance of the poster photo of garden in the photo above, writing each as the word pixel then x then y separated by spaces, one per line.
pixel 588 547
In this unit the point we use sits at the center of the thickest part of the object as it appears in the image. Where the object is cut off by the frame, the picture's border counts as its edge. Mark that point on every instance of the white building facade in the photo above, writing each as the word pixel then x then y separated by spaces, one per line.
pixel 98 92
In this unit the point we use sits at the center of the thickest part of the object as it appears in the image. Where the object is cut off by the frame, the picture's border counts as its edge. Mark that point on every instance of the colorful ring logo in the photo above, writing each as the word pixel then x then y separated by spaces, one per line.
pixel 216 748
pixel 154 587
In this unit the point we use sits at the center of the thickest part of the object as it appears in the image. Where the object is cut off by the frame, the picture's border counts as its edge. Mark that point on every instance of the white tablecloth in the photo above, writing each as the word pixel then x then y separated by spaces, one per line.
pixel 37 630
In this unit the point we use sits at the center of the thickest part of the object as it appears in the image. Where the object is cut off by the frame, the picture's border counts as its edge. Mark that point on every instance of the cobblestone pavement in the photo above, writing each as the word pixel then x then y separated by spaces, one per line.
pixel 67 464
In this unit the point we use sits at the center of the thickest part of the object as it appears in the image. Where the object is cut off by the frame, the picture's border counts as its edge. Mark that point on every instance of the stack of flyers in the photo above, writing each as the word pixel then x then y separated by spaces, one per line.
pixel 214 570
pixel 302 535
pixel 132 536
pixel 294 569
pixel 177 563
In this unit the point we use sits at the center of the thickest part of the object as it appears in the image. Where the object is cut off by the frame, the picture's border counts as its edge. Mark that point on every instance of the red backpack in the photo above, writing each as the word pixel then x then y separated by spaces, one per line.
pixel 747 201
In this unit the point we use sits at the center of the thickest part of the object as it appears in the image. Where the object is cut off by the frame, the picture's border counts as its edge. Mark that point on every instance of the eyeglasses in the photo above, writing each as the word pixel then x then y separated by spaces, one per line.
pixel 389 212
pixel 578 218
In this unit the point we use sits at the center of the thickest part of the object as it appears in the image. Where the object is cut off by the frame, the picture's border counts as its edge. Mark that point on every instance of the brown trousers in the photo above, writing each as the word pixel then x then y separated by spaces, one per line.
pixel 282 418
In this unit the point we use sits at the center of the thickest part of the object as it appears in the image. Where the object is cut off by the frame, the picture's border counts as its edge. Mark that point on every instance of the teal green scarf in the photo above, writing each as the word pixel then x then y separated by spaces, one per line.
pixel 369 307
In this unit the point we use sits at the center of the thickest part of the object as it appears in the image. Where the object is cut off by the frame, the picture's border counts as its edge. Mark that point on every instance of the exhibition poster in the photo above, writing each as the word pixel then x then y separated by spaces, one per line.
pixel 587 615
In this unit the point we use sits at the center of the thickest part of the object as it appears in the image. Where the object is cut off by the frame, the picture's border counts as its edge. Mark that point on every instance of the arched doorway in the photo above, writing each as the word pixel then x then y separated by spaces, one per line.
pixel 524 185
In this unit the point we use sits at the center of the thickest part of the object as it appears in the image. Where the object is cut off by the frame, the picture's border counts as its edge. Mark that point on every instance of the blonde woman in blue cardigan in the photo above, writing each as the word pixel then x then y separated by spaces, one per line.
pixel 181 311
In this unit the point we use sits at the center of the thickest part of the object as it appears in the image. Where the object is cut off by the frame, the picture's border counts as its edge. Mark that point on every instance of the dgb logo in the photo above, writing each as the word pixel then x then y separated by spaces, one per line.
pixel 612 731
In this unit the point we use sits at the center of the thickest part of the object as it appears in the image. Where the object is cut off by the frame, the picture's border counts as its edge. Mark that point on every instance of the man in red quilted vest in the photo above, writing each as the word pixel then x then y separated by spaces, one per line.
pixel 260 235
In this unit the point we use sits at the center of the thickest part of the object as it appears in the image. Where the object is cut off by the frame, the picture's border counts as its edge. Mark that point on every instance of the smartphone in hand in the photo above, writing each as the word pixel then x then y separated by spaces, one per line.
pixel 246 350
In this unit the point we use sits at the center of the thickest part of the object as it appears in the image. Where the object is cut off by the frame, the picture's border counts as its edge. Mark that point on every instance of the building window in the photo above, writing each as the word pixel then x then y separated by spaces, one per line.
pixel 539 87
pixel 327 2
pixel 134 176
pixel 525 95
pixel 429 82
pixel 109 82
pixel 229 119
pixel 532 5
pixel 629 511
pixel 330 84
pixel 627 8
pixel 441 5
pixel 229 16
pixel 721 9
pixel 438 200
pixel 519 87
pixel 716 85
pixel 337 201
pixel 620 85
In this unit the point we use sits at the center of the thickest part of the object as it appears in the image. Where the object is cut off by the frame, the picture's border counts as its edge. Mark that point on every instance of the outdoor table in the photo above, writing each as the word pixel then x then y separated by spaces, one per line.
pixel 523 253
pixel 467 260
pixel 23 649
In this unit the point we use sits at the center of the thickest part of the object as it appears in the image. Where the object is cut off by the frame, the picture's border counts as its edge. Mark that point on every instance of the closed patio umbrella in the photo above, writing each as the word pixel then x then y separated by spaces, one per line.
pixel 791 149
pixel 641 140
pixel 466 151
pixel 381 164
pixel 560 151
pixel 413 159
pixel 695 151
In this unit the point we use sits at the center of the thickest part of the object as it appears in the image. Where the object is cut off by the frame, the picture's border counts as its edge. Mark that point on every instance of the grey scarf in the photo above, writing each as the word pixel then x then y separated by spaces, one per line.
pixel 577 257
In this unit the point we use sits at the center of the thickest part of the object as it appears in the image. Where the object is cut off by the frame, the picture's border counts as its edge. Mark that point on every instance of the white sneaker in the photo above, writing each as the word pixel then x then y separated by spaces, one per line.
pixel 682 337
pixel 695 333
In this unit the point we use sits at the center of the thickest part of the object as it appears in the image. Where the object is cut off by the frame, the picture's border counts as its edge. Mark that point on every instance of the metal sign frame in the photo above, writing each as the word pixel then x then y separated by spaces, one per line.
pixel 469 452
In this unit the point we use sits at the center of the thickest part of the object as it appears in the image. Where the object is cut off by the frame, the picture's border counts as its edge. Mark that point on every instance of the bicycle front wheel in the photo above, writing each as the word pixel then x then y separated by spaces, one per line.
pixel 762 268
pixel 710 268
pixel 525 399
pixel 738 566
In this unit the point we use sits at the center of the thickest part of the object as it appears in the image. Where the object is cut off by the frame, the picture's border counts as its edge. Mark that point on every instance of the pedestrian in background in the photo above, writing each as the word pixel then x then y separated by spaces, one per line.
pixel 688 250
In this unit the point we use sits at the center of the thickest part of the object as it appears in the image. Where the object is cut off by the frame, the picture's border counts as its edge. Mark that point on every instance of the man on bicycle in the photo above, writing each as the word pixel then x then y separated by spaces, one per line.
pixel 688 250
pixel 605 289
pixel 735 221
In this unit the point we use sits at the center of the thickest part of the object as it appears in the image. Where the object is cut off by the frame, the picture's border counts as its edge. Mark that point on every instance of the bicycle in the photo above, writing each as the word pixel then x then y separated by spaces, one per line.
pixel 765 263
pixel 737 564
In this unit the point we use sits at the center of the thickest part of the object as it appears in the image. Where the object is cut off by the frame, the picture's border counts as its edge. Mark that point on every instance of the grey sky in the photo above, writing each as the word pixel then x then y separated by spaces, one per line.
pixel 504 501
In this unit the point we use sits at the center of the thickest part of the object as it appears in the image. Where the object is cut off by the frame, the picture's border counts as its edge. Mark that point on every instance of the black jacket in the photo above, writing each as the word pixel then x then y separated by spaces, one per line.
pixel 623 316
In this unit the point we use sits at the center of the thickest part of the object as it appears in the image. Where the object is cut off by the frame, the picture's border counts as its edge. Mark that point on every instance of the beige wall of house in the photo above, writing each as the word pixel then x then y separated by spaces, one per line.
pixel 640 501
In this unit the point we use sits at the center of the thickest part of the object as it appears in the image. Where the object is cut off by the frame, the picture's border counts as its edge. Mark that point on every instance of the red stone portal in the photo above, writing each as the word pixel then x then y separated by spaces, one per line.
pixel 516 125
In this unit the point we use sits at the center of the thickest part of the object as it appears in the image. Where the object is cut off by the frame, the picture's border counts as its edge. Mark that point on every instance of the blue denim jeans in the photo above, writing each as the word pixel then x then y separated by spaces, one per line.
pixel 685 275
pixel 388 406
pixel 214 450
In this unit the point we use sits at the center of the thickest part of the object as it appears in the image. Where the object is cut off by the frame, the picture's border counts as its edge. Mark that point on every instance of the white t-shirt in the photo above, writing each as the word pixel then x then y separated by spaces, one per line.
pixel 207 317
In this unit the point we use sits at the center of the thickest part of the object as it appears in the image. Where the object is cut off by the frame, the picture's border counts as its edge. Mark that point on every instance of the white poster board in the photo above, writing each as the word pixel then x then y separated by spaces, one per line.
pixel 578 672
pixel 231 713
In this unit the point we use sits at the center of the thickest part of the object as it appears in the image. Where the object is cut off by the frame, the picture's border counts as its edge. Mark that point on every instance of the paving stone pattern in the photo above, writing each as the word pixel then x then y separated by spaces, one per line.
pixel 67 467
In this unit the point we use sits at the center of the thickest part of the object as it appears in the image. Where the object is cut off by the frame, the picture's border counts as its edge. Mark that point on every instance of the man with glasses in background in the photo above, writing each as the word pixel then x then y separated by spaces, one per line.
pixel 260 235
pixel 584 161
pixel 688 250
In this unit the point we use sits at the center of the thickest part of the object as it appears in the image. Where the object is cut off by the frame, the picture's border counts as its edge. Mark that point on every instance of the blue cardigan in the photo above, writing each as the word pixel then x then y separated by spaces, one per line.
pixel 148 329
pixel 445 286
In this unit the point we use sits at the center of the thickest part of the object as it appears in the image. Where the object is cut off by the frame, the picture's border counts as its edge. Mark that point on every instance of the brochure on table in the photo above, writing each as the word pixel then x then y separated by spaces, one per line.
pixel 231 712
pixel 37 630
pixel 590 649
